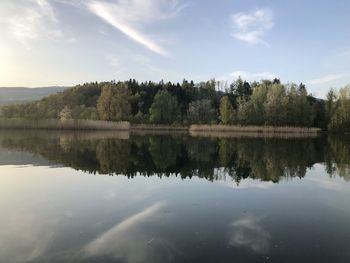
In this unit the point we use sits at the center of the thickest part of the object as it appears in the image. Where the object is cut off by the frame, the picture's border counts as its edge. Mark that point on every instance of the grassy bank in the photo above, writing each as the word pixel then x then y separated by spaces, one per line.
pixel 53 124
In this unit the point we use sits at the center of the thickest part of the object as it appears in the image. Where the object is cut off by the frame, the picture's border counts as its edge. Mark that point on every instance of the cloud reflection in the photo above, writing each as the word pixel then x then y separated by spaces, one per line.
pixel 129 241
pixel 248 232
pixel 23 239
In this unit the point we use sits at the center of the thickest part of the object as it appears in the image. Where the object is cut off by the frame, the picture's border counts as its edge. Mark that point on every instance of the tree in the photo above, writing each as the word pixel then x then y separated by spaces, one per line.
pixel 340 110
pixel 252 112
pixel 226 110
pixel 165 108
pixel 275 106
pixel 245 111
pixel 104 103
pixel 241 89
pixel 201 111
pixel 65 114
pixel 331 105
pixel 86 113
pixel 299 111
pixel 113 104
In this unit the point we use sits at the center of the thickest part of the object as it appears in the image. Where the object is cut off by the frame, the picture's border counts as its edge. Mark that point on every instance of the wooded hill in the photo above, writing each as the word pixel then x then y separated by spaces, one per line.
pixel 268 102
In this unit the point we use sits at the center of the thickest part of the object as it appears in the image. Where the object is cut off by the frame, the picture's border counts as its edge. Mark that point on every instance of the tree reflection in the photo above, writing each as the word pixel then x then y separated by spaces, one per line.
pixel 113 155
pixel 266 159
pixel 338 156
pixel 164 151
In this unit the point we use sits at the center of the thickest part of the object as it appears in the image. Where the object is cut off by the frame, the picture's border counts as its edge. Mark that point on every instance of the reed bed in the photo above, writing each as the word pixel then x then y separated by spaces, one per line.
pixel 159 132
pixel 253 129
pixel 66 134
pixel 154 127
pixel 284 135
pixel 52 124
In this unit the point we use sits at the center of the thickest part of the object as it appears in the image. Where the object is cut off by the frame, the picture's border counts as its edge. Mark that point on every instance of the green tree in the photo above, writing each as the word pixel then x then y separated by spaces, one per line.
pixel 331 105
pixel 226 110
pixel 113 104
pixel 252 112
pixel 340 110
pixel 201 111
pixel 165 108
pixel 275 106
pixel 87 113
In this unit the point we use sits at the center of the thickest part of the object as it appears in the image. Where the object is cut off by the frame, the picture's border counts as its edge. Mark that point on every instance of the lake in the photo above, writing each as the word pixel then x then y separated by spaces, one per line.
pixel 121 197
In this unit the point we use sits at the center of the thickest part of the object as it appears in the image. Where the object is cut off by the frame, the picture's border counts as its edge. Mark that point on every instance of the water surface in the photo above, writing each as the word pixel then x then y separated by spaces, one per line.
pixel 119 197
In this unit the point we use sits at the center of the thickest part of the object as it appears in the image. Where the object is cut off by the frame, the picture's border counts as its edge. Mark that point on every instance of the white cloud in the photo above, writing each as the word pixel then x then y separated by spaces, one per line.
pixel 248 76
pixel 129 16
pixel 113 61
pixel 251 27
pixel 32 20
pixel 325 79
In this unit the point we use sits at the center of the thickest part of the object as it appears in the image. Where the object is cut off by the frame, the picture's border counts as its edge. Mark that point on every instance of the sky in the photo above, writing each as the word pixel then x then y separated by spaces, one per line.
pixel 67 42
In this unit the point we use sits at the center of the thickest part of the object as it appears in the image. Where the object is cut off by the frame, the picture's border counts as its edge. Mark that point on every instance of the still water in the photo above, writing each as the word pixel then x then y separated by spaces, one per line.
pixel 119 197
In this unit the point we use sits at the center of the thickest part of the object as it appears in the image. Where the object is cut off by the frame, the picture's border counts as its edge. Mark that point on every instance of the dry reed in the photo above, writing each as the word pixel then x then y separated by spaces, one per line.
pixel 157 127
pixel 52 124
pixel 253 129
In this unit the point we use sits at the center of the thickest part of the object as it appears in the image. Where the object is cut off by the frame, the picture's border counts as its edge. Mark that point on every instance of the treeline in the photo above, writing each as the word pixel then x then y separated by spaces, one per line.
pixel 242 103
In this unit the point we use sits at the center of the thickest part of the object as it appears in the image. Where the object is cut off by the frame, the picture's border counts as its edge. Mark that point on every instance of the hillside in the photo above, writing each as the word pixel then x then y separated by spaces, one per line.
pixel 15 95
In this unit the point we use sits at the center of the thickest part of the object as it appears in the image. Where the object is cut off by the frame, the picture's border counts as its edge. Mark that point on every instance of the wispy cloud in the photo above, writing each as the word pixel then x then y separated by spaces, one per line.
pixel 325 79
pixel 248 76
pixel 251 27
pixel 32 20
pixel 129 16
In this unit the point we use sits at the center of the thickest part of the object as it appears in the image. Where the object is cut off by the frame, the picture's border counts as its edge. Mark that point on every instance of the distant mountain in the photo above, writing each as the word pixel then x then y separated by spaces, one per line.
pixel 21 95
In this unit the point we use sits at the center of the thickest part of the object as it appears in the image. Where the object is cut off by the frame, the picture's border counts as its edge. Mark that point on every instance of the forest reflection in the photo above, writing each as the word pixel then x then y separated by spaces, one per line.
pixel 266 159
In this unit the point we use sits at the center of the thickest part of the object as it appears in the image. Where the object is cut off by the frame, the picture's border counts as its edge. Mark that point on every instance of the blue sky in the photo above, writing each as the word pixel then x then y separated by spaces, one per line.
pixel 62 42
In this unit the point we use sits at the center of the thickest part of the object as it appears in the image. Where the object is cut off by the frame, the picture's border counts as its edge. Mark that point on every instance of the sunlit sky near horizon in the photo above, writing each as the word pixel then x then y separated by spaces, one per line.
pixel 63 42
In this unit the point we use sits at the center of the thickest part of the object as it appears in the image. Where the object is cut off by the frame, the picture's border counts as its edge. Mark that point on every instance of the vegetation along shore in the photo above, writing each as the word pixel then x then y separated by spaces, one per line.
pixel 268 106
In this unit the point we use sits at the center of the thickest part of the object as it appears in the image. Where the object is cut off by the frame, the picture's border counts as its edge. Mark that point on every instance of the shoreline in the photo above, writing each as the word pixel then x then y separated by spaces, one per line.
pixel 215 130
